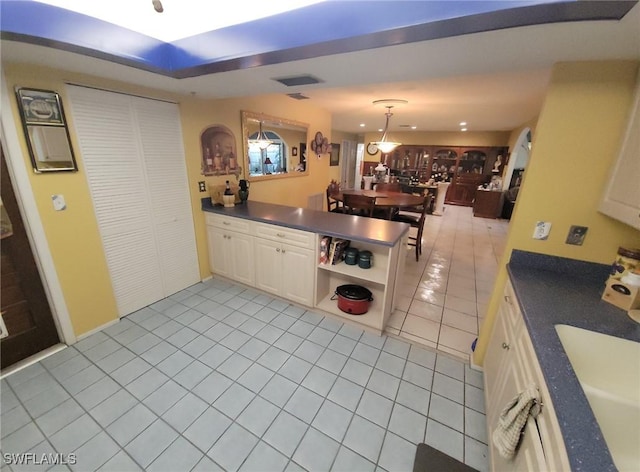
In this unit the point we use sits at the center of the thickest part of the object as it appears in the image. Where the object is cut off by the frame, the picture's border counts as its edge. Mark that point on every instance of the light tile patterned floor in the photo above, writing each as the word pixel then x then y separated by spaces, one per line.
pixel 221 378
pixel 217 377
pixel 444 295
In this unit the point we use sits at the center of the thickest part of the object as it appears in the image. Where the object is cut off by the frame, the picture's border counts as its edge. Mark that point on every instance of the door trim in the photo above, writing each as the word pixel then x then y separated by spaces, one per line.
pixel 31 217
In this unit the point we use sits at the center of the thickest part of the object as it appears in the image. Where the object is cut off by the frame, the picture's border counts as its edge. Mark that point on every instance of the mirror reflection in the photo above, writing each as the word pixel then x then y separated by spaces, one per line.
pixel 274 146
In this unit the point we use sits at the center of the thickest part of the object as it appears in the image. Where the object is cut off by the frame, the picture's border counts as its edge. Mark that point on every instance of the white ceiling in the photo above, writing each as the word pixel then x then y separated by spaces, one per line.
pixel 494 80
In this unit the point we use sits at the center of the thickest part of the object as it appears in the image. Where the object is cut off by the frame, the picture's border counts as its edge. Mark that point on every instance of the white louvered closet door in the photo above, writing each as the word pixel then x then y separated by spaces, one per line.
pixel 139 239
pixel 162 147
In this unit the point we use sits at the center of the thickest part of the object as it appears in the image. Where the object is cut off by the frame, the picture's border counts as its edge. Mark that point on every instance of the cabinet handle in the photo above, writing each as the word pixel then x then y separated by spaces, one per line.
pixel 283 251
pixel 280 235
pixel 507 299
pixel 278 249
pixel 226 223
pixel 505 346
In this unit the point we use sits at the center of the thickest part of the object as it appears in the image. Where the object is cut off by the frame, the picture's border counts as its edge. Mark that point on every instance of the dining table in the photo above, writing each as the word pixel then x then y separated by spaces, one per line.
pixel 385 200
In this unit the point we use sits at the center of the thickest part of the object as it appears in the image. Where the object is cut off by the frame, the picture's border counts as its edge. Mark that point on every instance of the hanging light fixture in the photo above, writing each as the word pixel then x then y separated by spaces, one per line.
pixel 261 141
pixel 385 145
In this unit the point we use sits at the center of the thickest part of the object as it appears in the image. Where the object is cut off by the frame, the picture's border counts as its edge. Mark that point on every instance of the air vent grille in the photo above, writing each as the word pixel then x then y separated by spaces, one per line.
pixel 297 96
pixel 298 80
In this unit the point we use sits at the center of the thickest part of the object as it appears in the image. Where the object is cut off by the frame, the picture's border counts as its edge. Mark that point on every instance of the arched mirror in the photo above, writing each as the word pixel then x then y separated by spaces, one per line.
pixel 274 147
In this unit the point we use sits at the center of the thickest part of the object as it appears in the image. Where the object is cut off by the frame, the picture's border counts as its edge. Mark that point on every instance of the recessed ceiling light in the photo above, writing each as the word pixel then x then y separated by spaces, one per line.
pixel 463 129
pixel 463 123
pixel 361 125
pixel 414 127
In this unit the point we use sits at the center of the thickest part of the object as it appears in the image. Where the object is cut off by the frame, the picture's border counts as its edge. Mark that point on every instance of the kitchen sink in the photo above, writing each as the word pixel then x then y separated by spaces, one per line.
pixel 608 369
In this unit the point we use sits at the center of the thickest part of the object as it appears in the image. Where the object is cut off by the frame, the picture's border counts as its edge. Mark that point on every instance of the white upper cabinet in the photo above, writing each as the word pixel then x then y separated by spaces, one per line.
pixel 622 196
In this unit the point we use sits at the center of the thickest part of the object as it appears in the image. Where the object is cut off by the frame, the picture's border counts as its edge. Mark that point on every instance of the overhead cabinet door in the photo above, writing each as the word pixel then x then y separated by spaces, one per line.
pixel 132 152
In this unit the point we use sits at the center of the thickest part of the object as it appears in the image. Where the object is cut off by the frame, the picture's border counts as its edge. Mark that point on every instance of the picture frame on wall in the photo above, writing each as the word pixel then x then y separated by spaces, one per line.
pixel 334 155
pixel 45 130
pixel 40 107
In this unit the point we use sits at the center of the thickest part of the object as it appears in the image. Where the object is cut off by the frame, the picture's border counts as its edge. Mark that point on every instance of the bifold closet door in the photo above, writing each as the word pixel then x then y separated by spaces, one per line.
pixel 132 153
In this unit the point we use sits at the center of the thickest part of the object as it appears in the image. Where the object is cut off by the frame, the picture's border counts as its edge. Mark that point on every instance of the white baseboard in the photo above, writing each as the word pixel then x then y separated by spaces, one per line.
pixel 99 328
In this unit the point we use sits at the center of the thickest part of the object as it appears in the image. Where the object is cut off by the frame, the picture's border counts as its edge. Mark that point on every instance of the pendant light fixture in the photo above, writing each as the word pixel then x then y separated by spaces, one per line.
pixel 385 145
pixel 261 141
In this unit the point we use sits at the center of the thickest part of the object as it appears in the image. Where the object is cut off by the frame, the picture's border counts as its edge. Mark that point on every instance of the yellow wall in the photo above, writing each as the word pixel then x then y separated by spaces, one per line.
pixel 72 235
pixel 574 146
pixel 197 115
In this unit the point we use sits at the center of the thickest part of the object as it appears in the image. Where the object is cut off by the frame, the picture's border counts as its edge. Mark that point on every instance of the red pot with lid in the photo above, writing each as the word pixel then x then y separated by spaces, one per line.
pixel 353 299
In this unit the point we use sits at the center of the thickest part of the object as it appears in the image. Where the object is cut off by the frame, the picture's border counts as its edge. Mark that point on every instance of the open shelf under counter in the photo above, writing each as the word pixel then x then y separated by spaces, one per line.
pixel 327 284
pixel 375 274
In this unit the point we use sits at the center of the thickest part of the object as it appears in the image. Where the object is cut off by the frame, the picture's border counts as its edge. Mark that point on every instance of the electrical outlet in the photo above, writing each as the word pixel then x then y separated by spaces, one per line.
pixel 542 229
pixel 202 186
pixel 576 235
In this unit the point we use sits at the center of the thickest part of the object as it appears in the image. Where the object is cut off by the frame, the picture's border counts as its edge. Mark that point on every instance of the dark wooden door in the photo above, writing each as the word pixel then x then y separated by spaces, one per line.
pixel 25 308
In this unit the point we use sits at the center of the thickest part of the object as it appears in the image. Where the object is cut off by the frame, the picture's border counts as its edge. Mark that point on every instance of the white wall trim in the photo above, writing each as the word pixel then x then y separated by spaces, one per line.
pixel 31 217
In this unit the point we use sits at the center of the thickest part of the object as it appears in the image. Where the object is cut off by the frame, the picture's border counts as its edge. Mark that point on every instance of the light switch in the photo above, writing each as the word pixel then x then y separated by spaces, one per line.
pixel 58 202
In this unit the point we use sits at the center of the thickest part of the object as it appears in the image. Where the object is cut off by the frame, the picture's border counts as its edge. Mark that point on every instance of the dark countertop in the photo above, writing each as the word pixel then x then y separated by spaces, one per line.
pixel 356 228
pixel 553 290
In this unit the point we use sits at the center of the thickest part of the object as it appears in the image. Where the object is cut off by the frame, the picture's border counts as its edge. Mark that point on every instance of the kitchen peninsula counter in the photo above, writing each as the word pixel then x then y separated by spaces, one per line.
pixel 276 248
pixel 553 290
pixel 338 225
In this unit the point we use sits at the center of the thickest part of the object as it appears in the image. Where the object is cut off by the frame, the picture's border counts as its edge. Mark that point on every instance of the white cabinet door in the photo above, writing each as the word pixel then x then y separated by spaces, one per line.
pixel 298 274
pixel 510 366
pixel 231 255
pixel 219 254
pixel 622 196
pixel 285 270
pixel 268 266
pixel 242 260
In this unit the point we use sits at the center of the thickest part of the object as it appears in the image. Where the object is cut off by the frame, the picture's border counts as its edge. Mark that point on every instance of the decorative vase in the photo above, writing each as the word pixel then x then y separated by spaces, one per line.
pixel 244 195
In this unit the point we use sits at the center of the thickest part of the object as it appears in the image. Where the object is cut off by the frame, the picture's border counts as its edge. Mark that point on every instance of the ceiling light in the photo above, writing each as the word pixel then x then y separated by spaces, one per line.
pixel 157 6
pixel 463 129
pixel 463 123
pixel 385 145
pixel 361 125
pixel 260 141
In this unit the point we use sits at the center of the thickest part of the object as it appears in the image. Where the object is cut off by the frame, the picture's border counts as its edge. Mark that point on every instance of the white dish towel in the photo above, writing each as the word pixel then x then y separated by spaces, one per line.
pixel 513 418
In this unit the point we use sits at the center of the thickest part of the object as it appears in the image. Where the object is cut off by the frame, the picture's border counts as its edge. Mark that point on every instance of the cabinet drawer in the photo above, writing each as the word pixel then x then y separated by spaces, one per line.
pixel 228 222
pixel 290 236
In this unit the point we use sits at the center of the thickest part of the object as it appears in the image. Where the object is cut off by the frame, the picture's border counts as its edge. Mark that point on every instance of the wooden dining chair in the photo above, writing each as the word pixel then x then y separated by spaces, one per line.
pixel 333 205
pixel 416 222
pixel 359 204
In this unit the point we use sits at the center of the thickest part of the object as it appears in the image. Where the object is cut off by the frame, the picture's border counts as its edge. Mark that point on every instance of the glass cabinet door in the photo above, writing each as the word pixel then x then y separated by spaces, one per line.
pixel 472 162
pixel 444 164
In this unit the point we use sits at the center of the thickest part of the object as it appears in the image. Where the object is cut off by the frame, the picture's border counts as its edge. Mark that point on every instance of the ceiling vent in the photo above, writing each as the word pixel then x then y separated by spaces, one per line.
pixel 297 80
pixel 298 96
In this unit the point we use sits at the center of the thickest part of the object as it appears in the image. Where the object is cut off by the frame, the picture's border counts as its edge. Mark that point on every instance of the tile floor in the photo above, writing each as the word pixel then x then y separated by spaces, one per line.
pixel 444 295
pixel 219 377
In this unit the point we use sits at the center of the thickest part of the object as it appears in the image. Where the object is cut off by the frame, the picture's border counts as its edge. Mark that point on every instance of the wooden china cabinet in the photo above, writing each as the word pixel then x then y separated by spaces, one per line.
pixel 465 167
